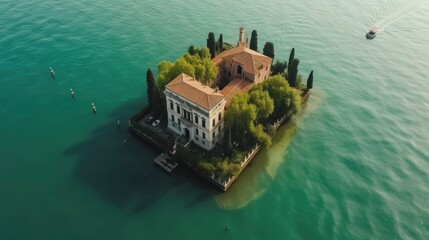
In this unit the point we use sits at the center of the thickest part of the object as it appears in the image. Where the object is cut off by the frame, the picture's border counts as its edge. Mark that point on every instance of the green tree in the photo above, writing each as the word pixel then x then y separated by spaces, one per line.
pixel 260 135
pixel 156 99
pixel 236 157
pixel 298 81
pixel 269 50
pixel 210 73
pixel 204 53
pixel 240 115
pixel 207 167
pixel 220 43
pixel 150 83
pixel 293 73
pixel 191 50
pixel 263 102
pixel 198 65
pixel 254 41
pixel 271 130
pixel 278 68
pixel 211 44
pixel 164 68
pixel 285 98
pixel 310 81
pixel 227 169
pixel 291 57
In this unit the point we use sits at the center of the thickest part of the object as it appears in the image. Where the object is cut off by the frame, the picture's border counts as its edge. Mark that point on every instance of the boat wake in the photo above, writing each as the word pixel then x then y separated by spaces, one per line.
pixel 394 11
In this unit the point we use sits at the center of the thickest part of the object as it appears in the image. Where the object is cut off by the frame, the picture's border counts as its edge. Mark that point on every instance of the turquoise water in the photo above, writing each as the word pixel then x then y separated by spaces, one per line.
pixel 353 165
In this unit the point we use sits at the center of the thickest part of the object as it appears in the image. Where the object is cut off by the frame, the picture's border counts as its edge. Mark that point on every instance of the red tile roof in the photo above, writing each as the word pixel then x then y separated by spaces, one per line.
pixel 251 60
pixel 192 90
pixel 237 85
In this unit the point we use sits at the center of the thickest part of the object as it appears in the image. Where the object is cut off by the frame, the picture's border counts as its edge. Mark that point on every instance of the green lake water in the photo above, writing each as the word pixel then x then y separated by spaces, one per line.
pixel 354 164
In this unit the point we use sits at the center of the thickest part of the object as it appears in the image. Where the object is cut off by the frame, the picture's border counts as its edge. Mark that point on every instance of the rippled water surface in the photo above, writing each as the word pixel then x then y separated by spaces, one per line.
pixel 353 165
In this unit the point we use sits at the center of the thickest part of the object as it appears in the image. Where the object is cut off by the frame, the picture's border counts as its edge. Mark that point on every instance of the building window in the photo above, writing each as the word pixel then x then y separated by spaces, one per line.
pixel 220 116
pixel 178 109
pixel 214 122
pixel 196 119
pixel 196 132
pixel 203 122
pixel 204 135
pixel 266 67
pixel 179 122
pixel 187 115
pixel 171 105
pixel 214 133
pixel 240 70
pixel 172 118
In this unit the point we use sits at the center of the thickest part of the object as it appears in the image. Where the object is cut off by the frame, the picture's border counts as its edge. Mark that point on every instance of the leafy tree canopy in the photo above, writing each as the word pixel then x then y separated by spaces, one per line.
pixel 278 68
pixel 198 65
pixel 285 97
pixel 263 102
pixel 240 114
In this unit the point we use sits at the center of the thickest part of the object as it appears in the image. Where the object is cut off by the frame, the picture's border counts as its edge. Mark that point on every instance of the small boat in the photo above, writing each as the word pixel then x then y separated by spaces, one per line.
pixel 372 32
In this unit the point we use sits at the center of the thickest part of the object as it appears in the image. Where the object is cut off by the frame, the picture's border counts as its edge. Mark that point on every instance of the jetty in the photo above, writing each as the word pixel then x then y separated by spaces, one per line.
pixel 165 162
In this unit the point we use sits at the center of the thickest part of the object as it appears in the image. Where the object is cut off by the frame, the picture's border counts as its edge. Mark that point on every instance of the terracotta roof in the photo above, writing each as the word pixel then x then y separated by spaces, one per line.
pixel 191 89
pixel 236 85
pixel 251 60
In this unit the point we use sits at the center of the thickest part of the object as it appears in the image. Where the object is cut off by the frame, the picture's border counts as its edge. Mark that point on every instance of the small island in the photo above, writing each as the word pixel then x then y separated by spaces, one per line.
pixel 214 108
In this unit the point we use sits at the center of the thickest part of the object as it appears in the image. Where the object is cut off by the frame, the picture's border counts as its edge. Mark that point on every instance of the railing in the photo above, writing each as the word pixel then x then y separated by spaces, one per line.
pixel 226 183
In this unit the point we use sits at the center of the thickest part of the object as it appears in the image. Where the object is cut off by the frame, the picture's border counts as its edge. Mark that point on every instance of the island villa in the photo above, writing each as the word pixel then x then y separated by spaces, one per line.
pixel 197 111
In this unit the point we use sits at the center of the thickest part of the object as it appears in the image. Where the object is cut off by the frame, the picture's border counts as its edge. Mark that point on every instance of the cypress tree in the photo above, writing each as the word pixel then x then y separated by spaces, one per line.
pixel 150 83
pixel 220 42
pixel 191 50
pixel 293 72
pixel 156 99
pixel 211 44
pixel 278 68
pixel 291 57
pixel 310 81
pixel 254 41
pixel 269 50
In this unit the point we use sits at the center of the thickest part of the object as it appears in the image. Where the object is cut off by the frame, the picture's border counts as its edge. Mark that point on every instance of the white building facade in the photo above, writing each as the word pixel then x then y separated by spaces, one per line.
pixel 195 111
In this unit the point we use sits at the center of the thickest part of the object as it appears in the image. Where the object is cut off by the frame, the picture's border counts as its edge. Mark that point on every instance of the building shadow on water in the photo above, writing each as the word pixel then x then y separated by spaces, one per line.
pixel 124 174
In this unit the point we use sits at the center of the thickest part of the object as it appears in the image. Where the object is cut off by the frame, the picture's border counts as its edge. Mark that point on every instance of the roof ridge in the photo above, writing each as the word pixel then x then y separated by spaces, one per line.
pixel 208 100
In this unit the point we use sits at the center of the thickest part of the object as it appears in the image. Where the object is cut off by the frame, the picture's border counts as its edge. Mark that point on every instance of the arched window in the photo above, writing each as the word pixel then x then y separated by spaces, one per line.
pixel 240 70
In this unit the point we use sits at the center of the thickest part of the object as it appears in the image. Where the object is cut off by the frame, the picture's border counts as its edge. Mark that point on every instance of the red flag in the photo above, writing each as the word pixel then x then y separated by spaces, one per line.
pixel 173 149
